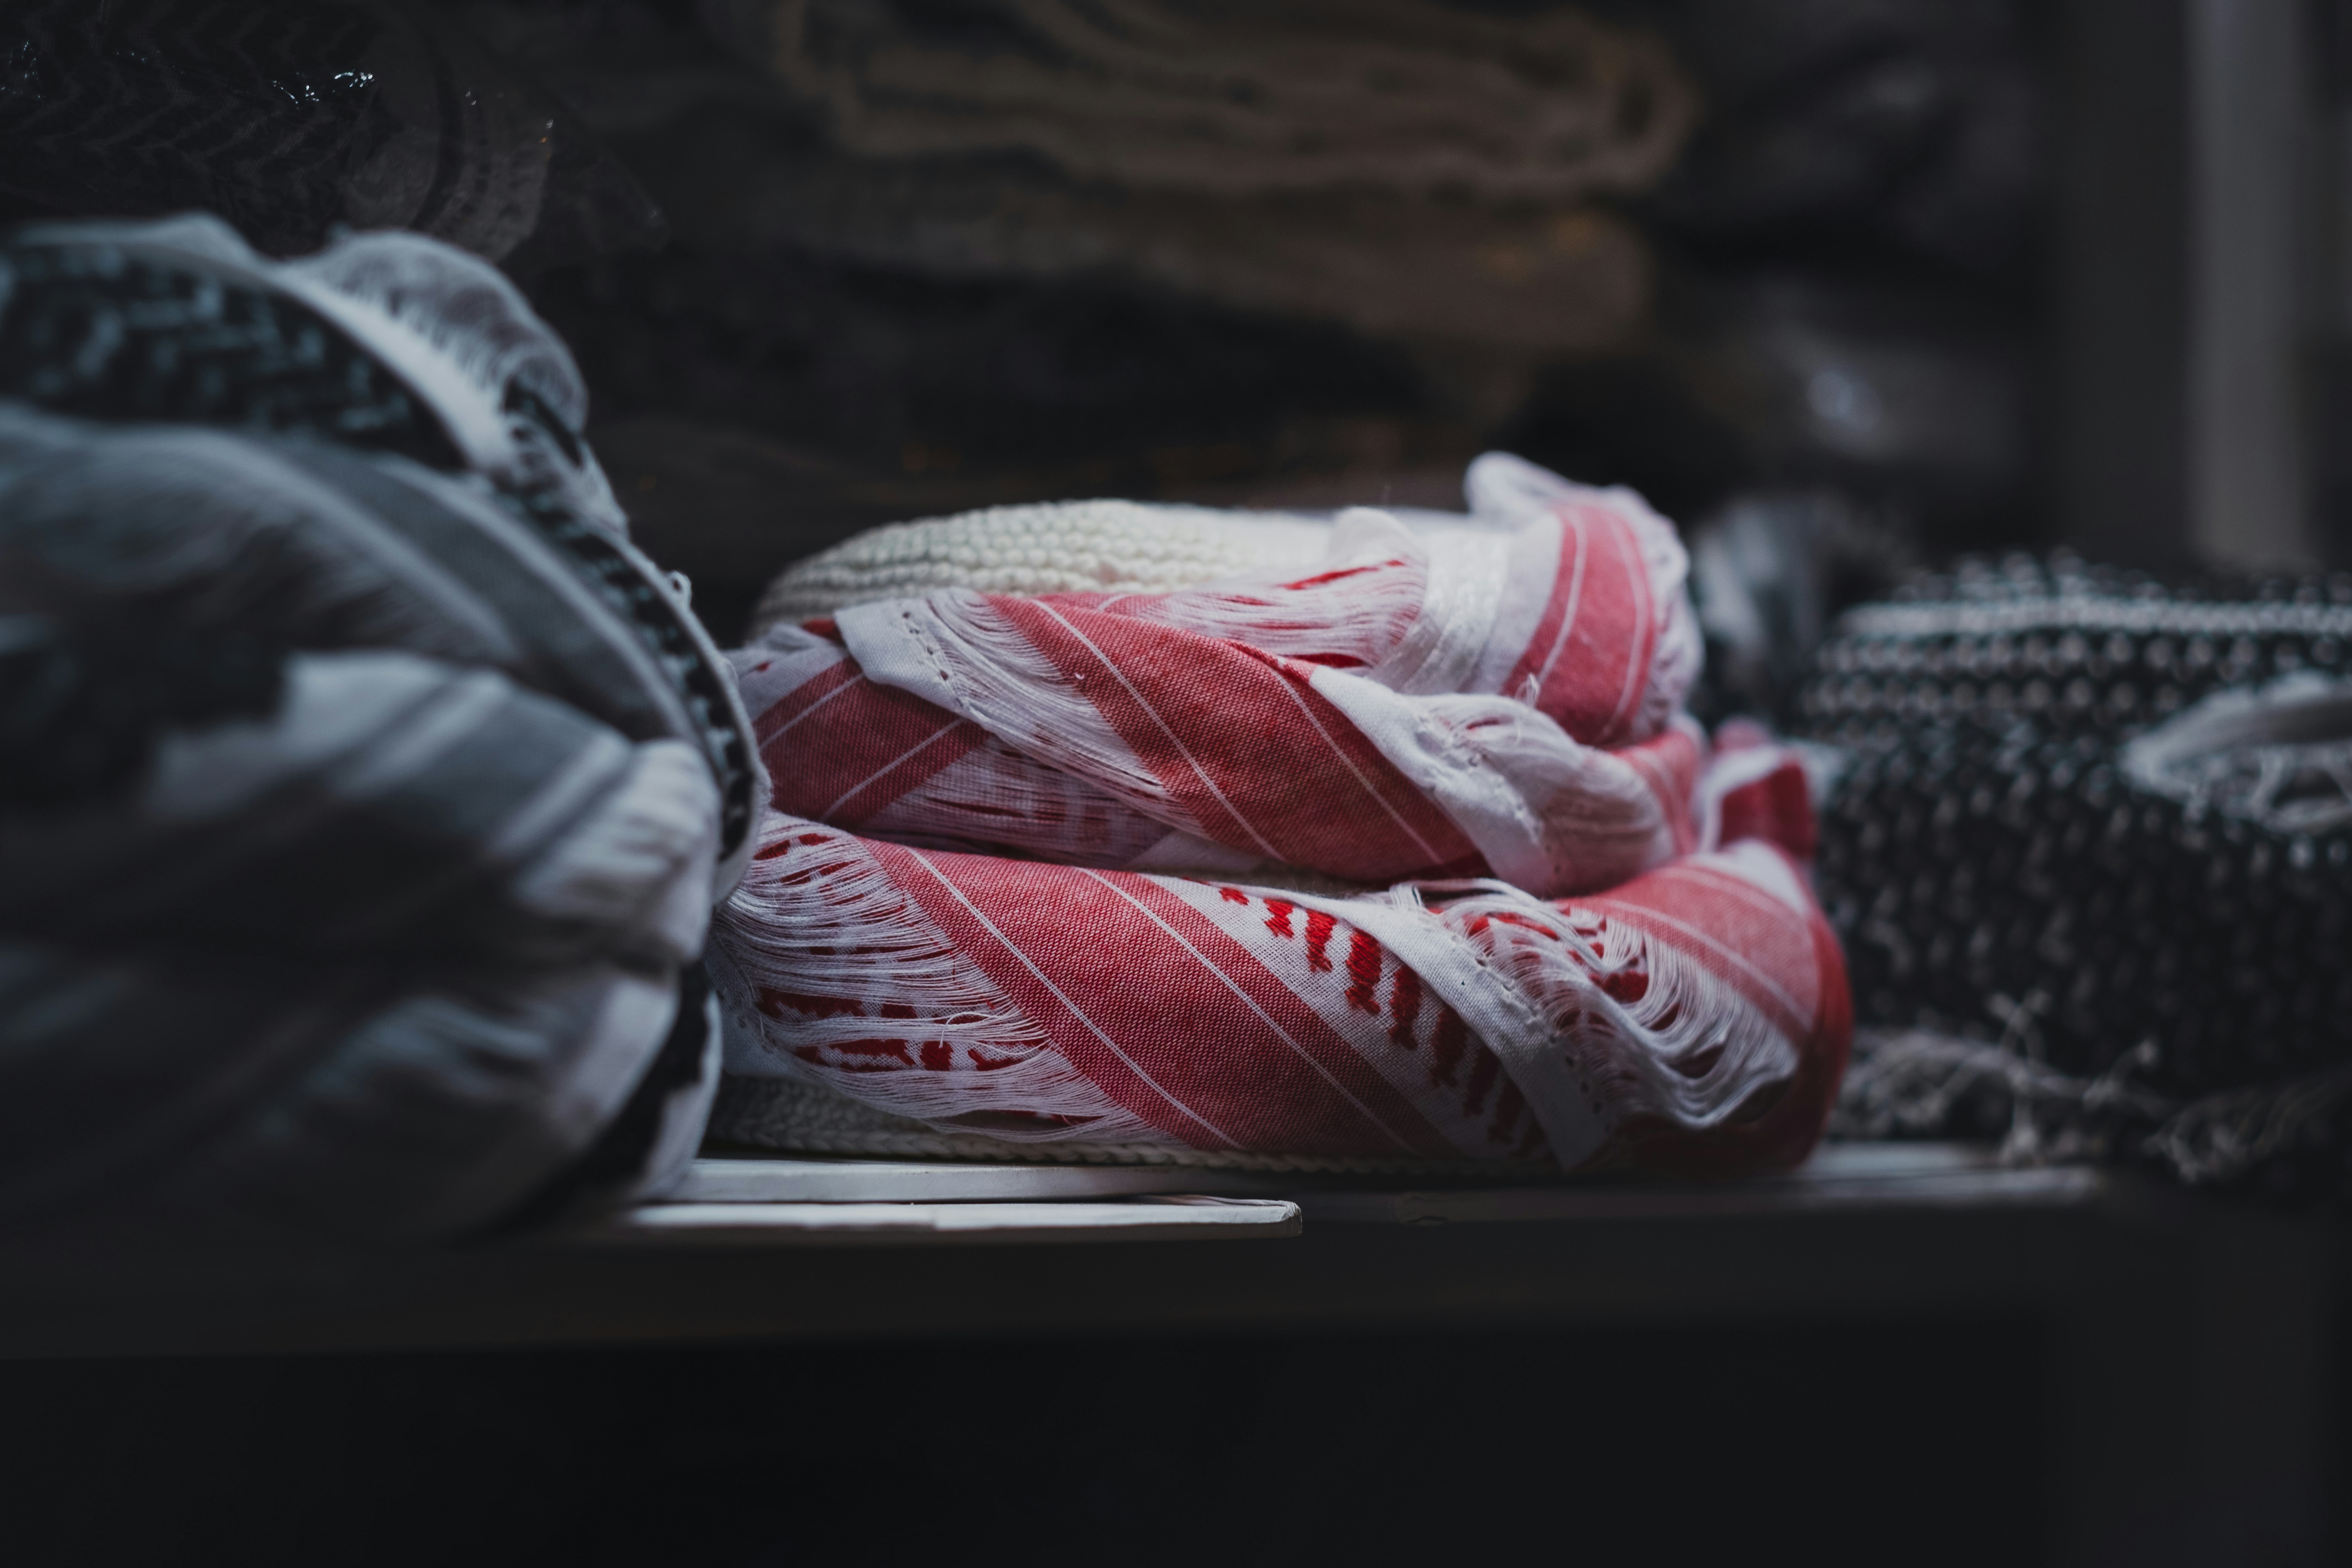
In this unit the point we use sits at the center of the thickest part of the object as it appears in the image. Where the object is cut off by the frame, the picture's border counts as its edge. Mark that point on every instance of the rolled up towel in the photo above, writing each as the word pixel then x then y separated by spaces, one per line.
pixel 1494 698
pixel 1695 1017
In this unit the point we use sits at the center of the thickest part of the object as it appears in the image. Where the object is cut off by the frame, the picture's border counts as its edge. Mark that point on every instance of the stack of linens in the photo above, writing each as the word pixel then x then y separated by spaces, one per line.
pixel 1395 846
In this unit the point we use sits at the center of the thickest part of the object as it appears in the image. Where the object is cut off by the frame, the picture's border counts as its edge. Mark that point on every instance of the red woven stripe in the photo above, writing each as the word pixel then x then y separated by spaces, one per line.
pixel 1243 745
pixel 1167 1030
pixel 1777 808
pixel 1590 656
pixel 804 700
pixel 879 743
pixel 1668 763
pixel 1341 1062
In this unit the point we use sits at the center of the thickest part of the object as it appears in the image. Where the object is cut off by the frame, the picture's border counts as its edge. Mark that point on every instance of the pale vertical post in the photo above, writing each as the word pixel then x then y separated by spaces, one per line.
pixel 2247 98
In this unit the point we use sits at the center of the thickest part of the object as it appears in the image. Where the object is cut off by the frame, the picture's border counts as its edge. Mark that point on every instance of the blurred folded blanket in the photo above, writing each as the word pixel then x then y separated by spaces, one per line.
pixel 1196 94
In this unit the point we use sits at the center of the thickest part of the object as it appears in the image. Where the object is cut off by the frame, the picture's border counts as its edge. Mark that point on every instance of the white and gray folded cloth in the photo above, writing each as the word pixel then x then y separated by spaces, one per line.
pixel 363 793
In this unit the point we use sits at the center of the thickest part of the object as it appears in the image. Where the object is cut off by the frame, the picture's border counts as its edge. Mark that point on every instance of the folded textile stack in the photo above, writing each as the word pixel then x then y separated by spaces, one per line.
pixel 1413 170
pixel 1239 98
pixel 363 793
pixel 1593 944
pixel 2091 853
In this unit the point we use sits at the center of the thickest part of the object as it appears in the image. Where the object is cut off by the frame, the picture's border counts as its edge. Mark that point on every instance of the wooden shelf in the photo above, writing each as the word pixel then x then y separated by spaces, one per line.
pixel 754 1249
pixel 2187 1338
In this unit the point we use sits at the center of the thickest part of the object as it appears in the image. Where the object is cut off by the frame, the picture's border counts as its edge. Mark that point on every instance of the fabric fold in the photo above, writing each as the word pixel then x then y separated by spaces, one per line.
pixel 1350 721
pixel 1695 1015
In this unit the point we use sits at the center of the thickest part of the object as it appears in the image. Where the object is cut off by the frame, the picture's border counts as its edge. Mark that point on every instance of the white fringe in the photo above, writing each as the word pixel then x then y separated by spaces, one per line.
pixel 821 921
pixel 1690 1049
pixel 1549 814
pixel 953 649
pixel 995 796
pixel 1467 577
pixel 1369 592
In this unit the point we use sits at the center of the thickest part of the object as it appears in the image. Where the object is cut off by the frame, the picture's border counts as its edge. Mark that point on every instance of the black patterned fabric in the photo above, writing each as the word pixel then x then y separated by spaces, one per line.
pixel 2099 825
pixel 288 118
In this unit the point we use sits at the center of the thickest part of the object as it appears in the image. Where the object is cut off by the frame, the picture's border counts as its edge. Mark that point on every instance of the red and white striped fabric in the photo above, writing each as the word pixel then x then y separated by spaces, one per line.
pixel 1695 1017
pixel 1495 700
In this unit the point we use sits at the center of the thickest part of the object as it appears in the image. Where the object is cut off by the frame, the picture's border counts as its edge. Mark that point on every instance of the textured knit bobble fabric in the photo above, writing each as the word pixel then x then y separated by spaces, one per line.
pixel 362 792
pixel 1055 547
pixel 2102 822
pixel 1120 546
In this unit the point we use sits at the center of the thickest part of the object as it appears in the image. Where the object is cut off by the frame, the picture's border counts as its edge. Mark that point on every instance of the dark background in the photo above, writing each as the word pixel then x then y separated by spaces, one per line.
pixel 1915 1442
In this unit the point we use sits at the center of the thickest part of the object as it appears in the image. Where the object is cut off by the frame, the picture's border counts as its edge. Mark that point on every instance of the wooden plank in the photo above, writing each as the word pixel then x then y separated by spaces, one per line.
pixel 1908 1229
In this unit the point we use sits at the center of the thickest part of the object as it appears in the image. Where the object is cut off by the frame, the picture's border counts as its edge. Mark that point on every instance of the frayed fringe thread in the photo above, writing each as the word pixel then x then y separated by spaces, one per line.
pixel 1921 1084
pixel 2291 1139
pixel 956 650
pixel 1358 605
pixel 1636 1056
pixel 827 965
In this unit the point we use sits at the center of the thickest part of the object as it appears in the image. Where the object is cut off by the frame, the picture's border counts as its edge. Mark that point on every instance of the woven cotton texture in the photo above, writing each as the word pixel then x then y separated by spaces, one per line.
pixel 1497 702
pixel 1489 717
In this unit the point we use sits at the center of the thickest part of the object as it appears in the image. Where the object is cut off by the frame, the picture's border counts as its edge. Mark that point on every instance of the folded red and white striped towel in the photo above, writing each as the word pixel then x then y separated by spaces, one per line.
pixel 1695 1017
pixel 1501 705
pixel 1596 941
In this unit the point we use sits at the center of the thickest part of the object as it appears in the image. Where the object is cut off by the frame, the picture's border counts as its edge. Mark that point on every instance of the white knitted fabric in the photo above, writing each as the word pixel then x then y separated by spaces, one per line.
pixel 1057 547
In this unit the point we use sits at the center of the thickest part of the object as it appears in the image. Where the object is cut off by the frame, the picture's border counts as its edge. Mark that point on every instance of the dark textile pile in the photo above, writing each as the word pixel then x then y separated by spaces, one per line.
pixel 2089 846
pixel 289 118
